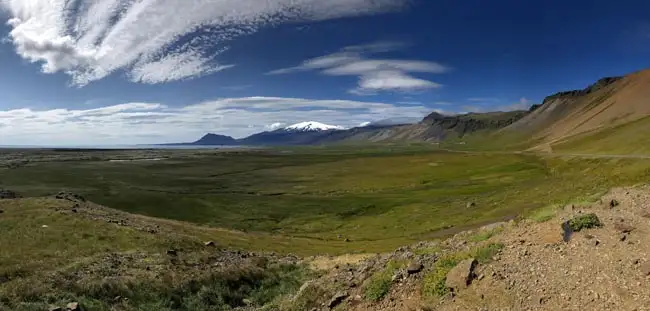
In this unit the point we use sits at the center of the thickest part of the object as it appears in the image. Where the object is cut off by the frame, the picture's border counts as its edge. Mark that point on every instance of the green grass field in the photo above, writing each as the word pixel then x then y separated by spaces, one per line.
pixel 378 198
pixel 305 201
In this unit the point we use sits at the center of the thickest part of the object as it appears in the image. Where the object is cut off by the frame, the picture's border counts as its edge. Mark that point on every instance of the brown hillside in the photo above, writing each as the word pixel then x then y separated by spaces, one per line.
pixel 609 102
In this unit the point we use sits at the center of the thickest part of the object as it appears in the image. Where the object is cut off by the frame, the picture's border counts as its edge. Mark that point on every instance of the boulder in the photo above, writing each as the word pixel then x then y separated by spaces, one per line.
pixel 623 227
pixel 414 268
pixel 460 276
pixel 337 299
pixel 209 244
pixel 73 306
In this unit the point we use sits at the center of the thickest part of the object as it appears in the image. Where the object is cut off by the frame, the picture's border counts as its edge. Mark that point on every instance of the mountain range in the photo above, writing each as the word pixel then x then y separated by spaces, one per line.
pixel 612 109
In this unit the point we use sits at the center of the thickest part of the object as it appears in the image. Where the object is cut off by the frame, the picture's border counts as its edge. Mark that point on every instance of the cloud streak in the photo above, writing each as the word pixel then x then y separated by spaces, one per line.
pixel 142 123
pixel 154 41
pixel 375 74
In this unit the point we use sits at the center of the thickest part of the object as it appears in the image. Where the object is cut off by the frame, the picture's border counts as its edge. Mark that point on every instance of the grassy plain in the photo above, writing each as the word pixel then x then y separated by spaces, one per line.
pixel 376 197
pixel 306 201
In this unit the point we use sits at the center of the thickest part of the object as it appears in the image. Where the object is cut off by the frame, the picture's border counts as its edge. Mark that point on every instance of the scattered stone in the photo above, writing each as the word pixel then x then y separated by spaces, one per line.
pixel 337 299
pixel 45 226
pixel 73 306
pixel 346 240
pixel 172 252
pixel 460 276
pixel 613 203
pixel 594 242
pixel 209 244
pixel 414 267
pixel 623 237
pixel 8 194
pixel 470 204
pixel 624 227
pixel 636 261
pixel 69 196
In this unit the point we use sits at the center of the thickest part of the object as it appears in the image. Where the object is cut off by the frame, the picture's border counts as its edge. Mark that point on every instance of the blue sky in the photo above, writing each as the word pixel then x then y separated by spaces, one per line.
pixel 122 71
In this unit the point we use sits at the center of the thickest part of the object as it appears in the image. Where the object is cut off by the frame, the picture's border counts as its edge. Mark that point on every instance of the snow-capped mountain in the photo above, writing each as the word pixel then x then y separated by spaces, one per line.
pixel 312 126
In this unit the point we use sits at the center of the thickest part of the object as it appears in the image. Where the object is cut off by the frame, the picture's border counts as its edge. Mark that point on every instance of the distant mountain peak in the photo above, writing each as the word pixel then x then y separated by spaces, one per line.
pixel 312 126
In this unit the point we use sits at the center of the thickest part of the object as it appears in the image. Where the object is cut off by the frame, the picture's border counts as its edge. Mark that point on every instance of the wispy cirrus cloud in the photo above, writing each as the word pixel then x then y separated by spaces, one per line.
pixel 154 41
pixel 132 123
pixel 375 74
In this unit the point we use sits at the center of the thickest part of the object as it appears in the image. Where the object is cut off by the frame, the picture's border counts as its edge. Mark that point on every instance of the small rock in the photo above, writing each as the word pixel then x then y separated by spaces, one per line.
pixel 337 299
pixel 480 277
pixel 45 226
pixel 645 269
pixel 470 204
pixel 636 261
pixel 172 252
pixel 569 208
pixel 593 242
pixel 1 211
pixel 414 267
pixel 117 299
pixel 623 237
pixel 623 227
pixel 209 244
pixel 74 210
pixel 613 203
pixel 543 300
pixel 247 301
pixel 460 276
pixel 73 306
pixel 346 240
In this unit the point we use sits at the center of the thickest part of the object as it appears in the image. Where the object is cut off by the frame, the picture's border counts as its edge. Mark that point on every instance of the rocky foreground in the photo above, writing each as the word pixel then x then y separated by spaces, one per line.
pixel 531 266
pixel 588 256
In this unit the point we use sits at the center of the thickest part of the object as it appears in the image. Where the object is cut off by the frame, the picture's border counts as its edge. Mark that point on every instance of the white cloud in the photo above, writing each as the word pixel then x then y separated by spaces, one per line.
pixel 154 41
pixel 374 74
pixel 484 99
pixel 522 104
pixel 275 126
pixel 142 123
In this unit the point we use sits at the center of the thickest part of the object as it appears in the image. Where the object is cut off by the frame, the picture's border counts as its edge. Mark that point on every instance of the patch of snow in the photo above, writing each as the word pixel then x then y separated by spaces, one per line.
pixel 312 126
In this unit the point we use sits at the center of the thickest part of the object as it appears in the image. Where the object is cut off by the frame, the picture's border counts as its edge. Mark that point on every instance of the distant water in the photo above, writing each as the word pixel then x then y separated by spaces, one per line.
pixel 185 147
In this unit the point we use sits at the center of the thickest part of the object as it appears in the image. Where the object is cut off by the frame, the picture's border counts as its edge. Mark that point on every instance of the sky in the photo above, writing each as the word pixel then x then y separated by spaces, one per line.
pixel 98 72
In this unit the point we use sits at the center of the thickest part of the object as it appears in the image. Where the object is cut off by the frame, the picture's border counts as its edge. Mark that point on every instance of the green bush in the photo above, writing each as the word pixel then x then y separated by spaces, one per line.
pixel 434 281
pixel 484 254
pixel 585 222
pixel 379 284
